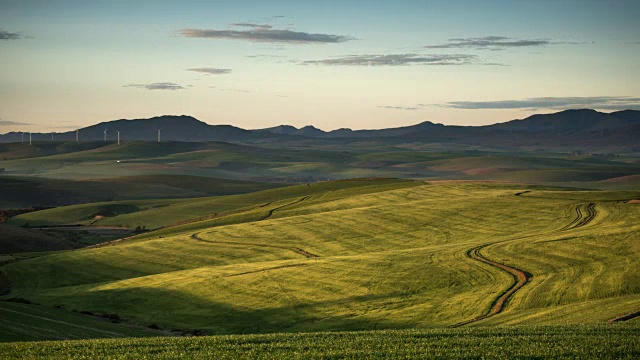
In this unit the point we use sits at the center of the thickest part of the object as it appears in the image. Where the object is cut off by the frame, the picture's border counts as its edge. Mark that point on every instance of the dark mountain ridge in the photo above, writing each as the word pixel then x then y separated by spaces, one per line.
pixel 579 128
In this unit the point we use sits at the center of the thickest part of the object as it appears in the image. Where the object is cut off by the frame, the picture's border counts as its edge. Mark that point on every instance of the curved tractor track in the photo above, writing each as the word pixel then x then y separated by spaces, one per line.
pixel 520 278
pixel 581 219
pixel 297 250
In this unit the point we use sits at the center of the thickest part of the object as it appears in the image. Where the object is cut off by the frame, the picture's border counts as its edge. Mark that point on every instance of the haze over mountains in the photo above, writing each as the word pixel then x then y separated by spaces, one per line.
pixel 578 130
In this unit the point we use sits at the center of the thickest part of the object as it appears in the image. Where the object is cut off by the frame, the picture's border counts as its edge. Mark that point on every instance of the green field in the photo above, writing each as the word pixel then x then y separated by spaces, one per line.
pixel 143 170
pixel 357 255
pixel 559 342
pixel 25 191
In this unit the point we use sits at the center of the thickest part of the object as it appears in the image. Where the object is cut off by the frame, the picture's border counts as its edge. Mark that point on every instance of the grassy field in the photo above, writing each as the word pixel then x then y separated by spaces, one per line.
pixel 359 255
pixel 307 162
pixel 559 342
pixel 24 191
pixel 160 213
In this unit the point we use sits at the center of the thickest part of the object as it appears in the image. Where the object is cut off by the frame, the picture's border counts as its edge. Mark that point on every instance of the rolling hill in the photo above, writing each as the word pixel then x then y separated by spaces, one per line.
pixel 339 258
pixel 24 191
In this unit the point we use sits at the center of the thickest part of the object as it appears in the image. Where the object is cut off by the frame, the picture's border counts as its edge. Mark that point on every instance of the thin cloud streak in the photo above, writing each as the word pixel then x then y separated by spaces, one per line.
pixel 266 35
pixel 551 103
pixel 11 123
pixel 395 60
pixel 211 71
pixel 489 43
pixel 7 35
pixel 157 86
pixel 398 107
pixel 253 26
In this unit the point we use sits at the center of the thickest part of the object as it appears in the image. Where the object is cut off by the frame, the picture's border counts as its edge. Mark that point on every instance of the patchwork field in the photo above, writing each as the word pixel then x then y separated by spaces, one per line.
pixel 144 170
pixel 357 255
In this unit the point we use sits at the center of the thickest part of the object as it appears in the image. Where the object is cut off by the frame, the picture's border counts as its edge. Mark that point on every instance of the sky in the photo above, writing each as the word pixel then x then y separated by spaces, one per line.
pixel 331 64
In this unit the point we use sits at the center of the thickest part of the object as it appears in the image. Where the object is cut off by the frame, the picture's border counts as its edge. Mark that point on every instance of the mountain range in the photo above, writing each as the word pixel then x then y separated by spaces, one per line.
pixel 581 130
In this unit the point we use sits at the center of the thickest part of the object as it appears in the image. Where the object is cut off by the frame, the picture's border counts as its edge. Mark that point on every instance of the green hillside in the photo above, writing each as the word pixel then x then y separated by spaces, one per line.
pixel 22 192
pixel 361 255
pixel 160 213
pixel 309 160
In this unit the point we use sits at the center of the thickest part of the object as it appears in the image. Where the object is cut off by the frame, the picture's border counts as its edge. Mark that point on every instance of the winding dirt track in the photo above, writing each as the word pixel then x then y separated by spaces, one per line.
pixel 520 278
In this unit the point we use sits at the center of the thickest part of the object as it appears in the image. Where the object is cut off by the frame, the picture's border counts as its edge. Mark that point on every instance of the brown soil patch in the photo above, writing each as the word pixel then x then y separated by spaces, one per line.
pixel 628 178
pixel 636 201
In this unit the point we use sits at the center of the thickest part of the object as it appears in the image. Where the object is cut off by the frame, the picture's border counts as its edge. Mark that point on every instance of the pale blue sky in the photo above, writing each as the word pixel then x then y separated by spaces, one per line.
pixel 328 63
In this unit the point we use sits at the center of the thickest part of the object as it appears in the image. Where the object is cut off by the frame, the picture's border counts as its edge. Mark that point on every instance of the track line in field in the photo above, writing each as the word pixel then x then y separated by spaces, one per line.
pixel 297 250
pixel 271 211
pixel 626 317
pixel 265 269
pixel 591 210
pixel 581 219
pixel 64 322
pixel 520 278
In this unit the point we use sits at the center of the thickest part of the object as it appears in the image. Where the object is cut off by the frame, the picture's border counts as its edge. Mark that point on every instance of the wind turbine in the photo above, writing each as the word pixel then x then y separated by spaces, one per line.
pixel 158 134
pixel 22 140
pixel 51 136
pixel 77 135
pixel 118 131
pixel 105 134
pixel 29 138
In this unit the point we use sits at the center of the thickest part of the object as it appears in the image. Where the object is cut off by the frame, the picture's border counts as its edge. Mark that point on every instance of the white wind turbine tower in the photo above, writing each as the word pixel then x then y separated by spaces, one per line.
pixel 22 140
pixel 29 138
pixel 52 136
pixel 77 135
pixel 158 134
pixel 118 131
pixel 105 134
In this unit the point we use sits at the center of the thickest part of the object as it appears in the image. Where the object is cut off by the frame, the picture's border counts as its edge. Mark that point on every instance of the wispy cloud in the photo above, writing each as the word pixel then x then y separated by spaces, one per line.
pixel 6 35
pixel 157 86
pixel 227 89
pixel 398 107
pixel 11 123
pixel 553 103
pixel 253 25
pixel 490 43
pixel 258 56
pixel 395 60
pixel 211 71
pixel 67 127
pixel 261 34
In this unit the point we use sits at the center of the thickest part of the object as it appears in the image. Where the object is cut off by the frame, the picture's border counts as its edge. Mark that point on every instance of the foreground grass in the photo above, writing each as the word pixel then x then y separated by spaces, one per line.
pixel 558 342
